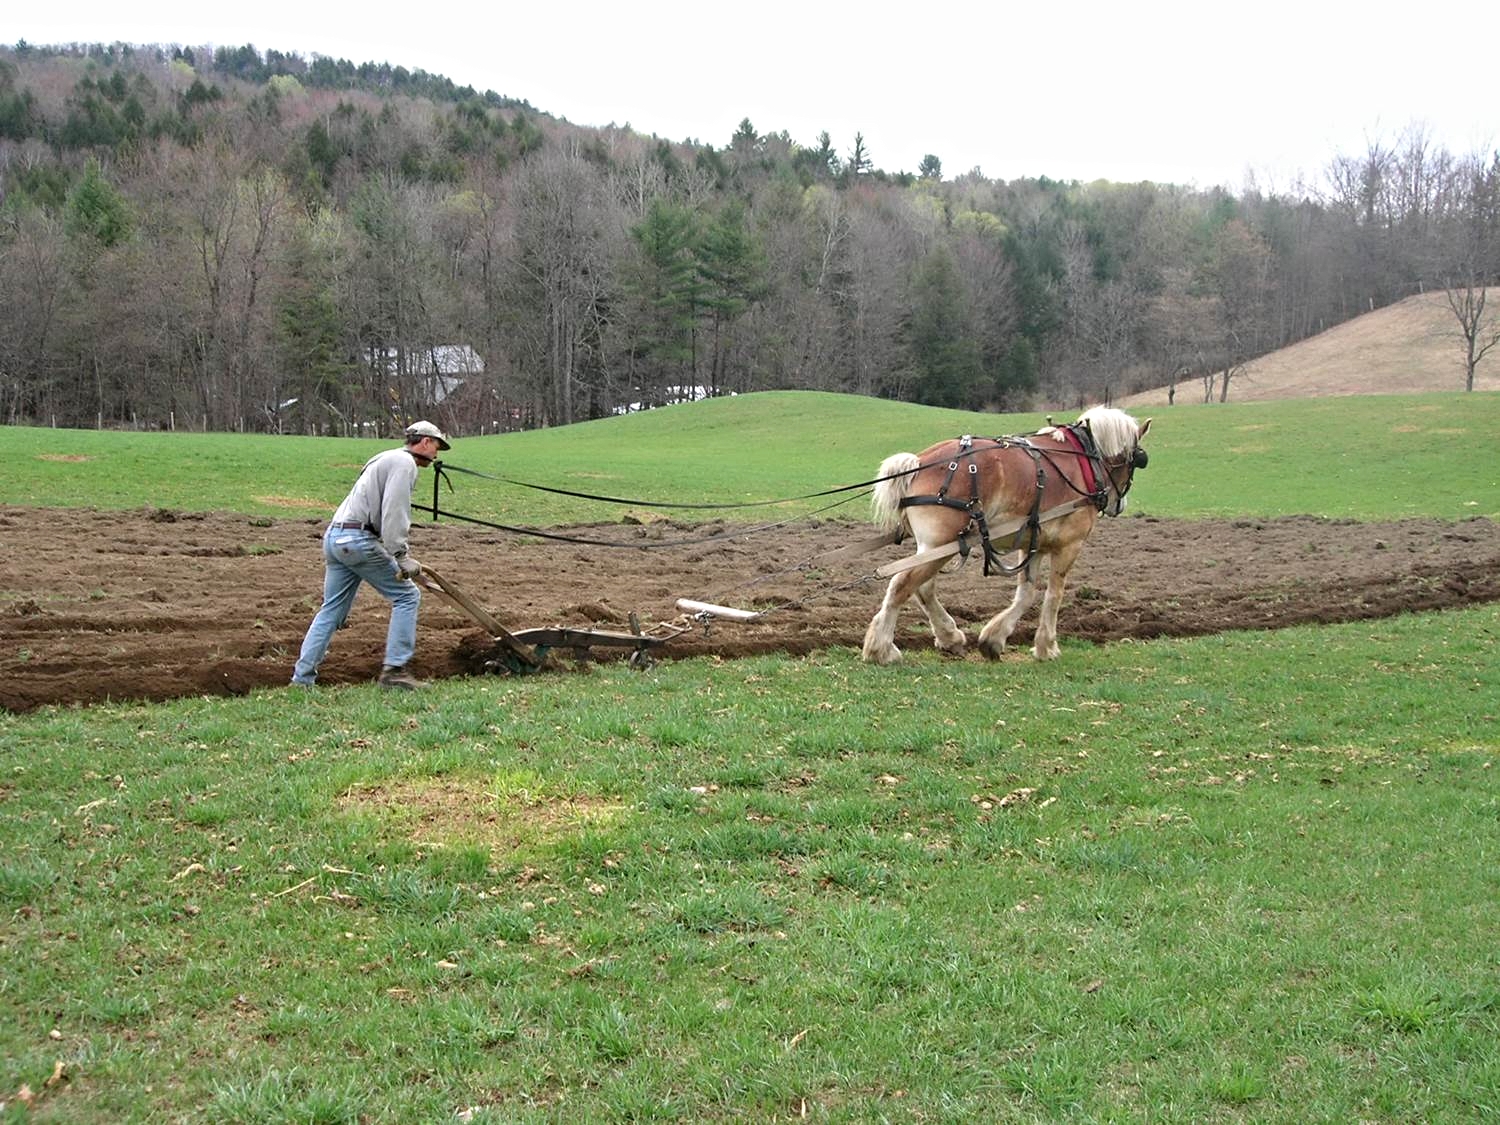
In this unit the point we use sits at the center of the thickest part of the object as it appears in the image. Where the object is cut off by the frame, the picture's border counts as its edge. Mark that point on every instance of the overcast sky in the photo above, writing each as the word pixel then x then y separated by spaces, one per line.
pixel 1188 93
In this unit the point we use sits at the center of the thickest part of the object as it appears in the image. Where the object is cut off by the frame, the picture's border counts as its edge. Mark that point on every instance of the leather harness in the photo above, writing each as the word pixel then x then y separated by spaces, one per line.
pixel 1080 442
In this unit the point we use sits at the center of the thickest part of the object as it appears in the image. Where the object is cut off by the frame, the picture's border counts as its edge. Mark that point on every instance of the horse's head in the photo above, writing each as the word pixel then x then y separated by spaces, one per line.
pixel 1117 436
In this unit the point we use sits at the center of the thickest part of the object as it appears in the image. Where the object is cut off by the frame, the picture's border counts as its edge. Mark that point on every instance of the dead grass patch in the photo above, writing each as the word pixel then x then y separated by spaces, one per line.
pixel 1441 431
pixel 1410 347
pixel 290 502
pixel 451 810
pixel 68 457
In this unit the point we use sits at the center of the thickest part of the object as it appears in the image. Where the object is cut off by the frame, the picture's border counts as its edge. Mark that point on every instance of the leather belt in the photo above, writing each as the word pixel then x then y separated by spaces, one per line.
pixel 351 526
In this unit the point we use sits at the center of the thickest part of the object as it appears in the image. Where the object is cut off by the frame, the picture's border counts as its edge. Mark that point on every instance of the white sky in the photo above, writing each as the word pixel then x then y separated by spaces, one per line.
pixel 1191 93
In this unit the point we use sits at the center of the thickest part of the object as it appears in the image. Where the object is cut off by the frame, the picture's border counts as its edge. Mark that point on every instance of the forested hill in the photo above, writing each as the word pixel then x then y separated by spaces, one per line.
pixel 237 239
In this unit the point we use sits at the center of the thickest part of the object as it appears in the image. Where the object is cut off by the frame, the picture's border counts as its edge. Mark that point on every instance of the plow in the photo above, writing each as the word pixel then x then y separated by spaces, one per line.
pixel 532 650
pixel 523 651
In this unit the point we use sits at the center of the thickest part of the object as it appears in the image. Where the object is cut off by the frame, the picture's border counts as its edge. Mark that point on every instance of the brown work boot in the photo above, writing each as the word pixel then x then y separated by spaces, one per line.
pixel 399 679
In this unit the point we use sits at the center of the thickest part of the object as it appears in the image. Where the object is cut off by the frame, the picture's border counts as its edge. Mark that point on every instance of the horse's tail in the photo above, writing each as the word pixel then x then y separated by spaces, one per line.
pixel 894 482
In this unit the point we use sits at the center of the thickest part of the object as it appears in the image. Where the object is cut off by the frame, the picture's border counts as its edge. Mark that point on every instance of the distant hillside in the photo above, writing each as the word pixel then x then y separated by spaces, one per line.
pixel 1405 348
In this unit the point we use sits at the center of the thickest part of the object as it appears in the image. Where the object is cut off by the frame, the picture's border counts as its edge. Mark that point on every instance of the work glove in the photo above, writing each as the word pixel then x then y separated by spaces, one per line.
pixel 408 567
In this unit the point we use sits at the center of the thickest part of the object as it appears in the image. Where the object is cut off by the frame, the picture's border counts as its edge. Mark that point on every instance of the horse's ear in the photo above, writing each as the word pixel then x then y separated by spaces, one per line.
pixel 1146 425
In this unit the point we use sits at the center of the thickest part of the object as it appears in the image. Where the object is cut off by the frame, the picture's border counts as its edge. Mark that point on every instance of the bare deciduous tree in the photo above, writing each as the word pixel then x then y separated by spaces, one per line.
pixel 1471 250
pixel 1238 273
pixel 561 277
pixel 1479 330
pixel 32 276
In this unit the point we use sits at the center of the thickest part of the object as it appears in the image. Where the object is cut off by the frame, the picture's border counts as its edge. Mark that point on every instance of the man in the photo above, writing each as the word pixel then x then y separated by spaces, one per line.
pixel 366 542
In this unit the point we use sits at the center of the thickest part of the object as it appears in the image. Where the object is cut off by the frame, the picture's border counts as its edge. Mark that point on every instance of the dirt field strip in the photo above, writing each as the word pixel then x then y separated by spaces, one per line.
pixel 159 604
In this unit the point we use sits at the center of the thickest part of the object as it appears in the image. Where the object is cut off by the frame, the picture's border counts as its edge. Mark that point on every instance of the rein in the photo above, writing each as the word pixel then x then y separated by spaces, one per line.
pixel 441 469
pixel 719 537
pixel 440 477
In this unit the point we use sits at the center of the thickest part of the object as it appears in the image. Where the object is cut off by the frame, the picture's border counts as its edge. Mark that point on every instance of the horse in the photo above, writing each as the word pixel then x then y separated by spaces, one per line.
pixel 1025 498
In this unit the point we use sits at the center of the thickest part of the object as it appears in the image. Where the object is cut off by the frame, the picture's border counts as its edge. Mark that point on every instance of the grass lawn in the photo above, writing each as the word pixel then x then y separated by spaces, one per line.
pixel 1247 877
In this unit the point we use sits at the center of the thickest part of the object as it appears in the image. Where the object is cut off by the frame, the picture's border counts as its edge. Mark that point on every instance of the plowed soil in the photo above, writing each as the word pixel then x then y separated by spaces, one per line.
pixel 157 604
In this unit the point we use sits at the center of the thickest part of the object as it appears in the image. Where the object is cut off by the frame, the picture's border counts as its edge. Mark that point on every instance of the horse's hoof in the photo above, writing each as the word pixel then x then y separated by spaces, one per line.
pixel 883 657
pixel 993 650
pixel 954 647
pixel 1047 653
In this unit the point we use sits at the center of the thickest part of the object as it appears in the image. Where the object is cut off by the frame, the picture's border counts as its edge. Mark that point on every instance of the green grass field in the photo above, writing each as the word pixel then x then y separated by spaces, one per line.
pixel 1250 877
pixel 1358 458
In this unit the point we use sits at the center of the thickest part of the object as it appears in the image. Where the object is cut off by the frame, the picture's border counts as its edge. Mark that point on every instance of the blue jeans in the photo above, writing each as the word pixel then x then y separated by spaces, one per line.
pixel 350 557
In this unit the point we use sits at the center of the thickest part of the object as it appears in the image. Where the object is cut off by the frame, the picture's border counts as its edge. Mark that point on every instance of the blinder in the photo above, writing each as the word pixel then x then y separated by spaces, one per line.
pixel 1138 459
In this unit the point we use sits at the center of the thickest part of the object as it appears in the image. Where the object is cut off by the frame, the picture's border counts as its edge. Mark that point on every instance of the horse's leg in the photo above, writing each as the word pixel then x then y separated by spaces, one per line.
pixel 946 634
pixel 998 629
pixel 880 637
pixel 1045 647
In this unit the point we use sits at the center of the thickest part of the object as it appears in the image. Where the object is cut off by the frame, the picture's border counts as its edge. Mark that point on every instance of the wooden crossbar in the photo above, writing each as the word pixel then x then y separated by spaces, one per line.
pixel 911 562
pixel 687 605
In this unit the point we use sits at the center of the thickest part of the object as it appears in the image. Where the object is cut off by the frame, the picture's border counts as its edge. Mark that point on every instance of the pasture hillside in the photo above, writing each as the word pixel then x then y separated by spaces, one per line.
pixel 1410 347
pixel 1250 460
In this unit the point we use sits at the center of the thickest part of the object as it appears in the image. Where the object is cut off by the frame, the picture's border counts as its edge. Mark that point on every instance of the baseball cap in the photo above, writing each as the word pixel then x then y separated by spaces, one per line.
pixel 426 429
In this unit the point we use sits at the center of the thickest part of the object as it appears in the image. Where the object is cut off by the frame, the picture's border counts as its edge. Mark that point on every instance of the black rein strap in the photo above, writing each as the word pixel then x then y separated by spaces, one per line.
pixel 442 469
pixel 718 537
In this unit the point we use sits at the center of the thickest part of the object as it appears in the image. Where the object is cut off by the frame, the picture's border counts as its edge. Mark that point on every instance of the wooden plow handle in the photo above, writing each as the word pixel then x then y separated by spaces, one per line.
pixel 432 580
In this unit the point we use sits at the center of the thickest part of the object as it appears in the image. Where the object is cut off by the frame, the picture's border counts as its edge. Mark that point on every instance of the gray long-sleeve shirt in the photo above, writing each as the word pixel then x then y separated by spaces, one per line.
pixel 381 499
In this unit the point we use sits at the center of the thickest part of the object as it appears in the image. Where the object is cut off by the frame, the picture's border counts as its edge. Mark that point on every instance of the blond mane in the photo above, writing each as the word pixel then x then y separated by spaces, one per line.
pixel 1115 432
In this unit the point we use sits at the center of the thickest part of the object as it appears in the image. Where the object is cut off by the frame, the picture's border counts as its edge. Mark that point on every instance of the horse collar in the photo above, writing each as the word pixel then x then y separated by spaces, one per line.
pixel 1081 438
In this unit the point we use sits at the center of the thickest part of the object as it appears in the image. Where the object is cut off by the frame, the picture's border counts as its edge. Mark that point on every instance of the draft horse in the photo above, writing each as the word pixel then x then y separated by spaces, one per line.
pixel 1021 499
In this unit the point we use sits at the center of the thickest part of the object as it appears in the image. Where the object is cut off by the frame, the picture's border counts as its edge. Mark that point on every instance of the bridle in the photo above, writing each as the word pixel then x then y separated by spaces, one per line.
pixel 1087 452
pixel 1130 462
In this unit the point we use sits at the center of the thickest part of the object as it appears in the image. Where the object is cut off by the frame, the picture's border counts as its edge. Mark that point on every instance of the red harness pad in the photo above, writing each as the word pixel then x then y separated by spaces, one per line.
pixel 1085 462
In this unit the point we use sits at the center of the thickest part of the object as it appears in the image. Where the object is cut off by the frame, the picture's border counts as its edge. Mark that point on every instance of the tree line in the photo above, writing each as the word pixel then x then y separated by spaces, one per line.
pixel 232 239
